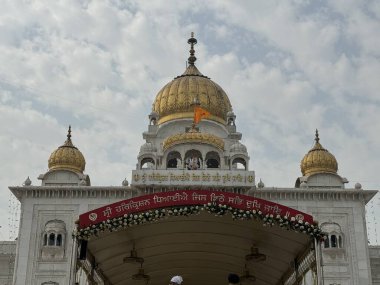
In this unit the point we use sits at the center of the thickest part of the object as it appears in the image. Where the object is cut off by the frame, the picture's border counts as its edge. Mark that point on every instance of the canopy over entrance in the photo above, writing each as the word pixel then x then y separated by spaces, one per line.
pixel 200 242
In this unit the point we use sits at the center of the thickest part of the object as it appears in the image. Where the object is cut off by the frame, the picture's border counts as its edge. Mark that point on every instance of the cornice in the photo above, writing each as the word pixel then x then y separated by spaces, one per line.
pixel 122 192
pixel 310 194
pixel 69 192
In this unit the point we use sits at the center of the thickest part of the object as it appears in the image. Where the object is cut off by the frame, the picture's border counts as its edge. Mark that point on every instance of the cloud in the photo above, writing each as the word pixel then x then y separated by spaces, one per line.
pixel 288 67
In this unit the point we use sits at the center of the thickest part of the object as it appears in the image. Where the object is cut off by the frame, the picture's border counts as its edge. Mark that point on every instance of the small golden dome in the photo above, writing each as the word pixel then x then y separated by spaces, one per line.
pixel 318 160
pixel 175 99
pixel 193 136
pixel 67 157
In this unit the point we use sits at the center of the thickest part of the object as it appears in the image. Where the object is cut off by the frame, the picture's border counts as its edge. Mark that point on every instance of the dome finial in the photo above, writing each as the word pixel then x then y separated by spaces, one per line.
pixel 68 140
pixel 192 41
pixel 69 133
pixel 316 136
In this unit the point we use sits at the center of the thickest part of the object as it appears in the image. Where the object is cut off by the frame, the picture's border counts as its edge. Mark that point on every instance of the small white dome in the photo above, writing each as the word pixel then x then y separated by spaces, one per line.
pixel 358 186
pixel 153 114
pixel 238 147
pixel 27 182
pixel 55 225
pixel 230 114
pixel 261 184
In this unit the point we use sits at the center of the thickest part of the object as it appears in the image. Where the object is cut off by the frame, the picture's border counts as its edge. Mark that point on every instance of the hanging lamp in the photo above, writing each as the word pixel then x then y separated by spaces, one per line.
pixel 255 256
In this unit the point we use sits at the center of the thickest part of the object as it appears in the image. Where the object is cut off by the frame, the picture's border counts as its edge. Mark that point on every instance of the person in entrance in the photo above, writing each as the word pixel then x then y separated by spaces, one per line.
pixel 176 280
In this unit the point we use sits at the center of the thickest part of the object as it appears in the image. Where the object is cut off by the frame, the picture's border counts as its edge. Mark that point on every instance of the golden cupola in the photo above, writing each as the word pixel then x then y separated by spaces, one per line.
pixel 174 100
pixel 318 160
pixel 67 157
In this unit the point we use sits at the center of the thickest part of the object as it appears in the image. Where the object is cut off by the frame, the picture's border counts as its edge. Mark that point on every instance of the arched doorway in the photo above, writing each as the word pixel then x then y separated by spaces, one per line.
pixel 206 235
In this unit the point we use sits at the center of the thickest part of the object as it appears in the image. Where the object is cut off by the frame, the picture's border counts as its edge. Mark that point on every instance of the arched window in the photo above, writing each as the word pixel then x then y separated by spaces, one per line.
pixel 51 239
pixel 335 236
pixel 327 242
pixel 147 163
pixel 239 164
pixel 172 163
pixel 174 160
pixel 212 160
pixel 59 240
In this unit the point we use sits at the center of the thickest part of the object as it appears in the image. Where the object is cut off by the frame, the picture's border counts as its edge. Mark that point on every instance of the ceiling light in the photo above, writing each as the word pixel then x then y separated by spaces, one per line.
pixel 140 275
pixel 133 258
pixel 255 256
pixel 247 277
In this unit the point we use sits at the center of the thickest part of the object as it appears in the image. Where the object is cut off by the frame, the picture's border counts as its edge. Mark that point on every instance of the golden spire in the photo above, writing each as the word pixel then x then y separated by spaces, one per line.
pixel 316 136
pixel 192 41
pixel 318 160
pixel 68 141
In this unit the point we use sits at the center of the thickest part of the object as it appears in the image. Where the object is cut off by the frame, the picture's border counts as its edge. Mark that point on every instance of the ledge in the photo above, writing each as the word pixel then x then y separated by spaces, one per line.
pixel 122 192
pixel 320 194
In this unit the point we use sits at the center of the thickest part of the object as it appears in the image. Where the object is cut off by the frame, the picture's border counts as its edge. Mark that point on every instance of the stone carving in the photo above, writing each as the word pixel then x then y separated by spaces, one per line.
pixel 193 163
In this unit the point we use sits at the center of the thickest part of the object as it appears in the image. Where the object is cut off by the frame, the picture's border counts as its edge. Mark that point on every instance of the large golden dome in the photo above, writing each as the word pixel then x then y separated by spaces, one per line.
pixel 67 157
pixel 175 99
pixel 318 160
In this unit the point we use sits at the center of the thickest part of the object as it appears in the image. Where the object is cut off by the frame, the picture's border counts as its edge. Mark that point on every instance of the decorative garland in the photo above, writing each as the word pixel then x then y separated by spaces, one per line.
pixel 130 220
pixel 285 222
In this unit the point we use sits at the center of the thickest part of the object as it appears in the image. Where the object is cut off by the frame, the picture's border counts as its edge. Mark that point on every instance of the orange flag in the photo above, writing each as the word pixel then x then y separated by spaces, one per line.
pixel 199 114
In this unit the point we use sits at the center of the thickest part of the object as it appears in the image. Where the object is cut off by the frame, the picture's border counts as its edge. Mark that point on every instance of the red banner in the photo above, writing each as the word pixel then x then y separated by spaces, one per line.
pixel 187 198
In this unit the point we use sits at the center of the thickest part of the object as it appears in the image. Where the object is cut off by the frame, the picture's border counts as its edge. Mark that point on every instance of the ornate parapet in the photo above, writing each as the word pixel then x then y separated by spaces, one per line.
pixel 73 192
pixel 314 194
pixel 194 178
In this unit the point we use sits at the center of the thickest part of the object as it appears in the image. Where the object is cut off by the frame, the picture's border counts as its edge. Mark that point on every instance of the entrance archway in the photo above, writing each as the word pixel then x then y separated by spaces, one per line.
pixel 177 234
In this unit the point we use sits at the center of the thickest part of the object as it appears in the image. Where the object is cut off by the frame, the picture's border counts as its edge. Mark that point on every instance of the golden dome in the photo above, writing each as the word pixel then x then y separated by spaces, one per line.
pixel 175 99
pixel 193 136
pixel 67 157
pixel 318 160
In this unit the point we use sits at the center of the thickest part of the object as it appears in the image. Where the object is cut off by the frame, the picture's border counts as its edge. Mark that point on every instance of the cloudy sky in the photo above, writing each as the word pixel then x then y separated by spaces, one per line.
pixel 288 67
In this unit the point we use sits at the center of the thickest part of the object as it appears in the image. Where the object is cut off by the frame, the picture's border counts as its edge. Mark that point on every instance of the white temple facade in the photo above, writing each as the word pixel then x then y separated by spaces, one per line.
pixel 72 232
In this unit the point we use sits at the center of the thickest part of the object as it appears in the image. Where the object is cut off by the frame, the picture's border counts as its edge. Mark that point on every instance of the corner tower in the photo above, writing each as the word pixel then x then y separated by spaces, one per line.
pixel 192 139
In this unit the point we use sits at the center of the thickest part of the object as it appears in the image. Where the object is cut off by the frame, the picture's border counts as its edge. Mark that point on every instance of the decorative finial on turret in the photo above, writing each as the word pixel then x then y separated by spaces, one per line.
pixel 316 136
pixel 125 182
pixel 192 41
pixel 27 182
pixel 68 141
pixel 69 133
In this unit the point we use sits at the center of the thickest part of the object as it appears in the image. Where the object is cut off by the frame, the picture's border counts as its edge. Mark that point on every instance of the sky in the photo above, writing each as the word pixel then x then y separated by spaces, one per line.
pixel 288 67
